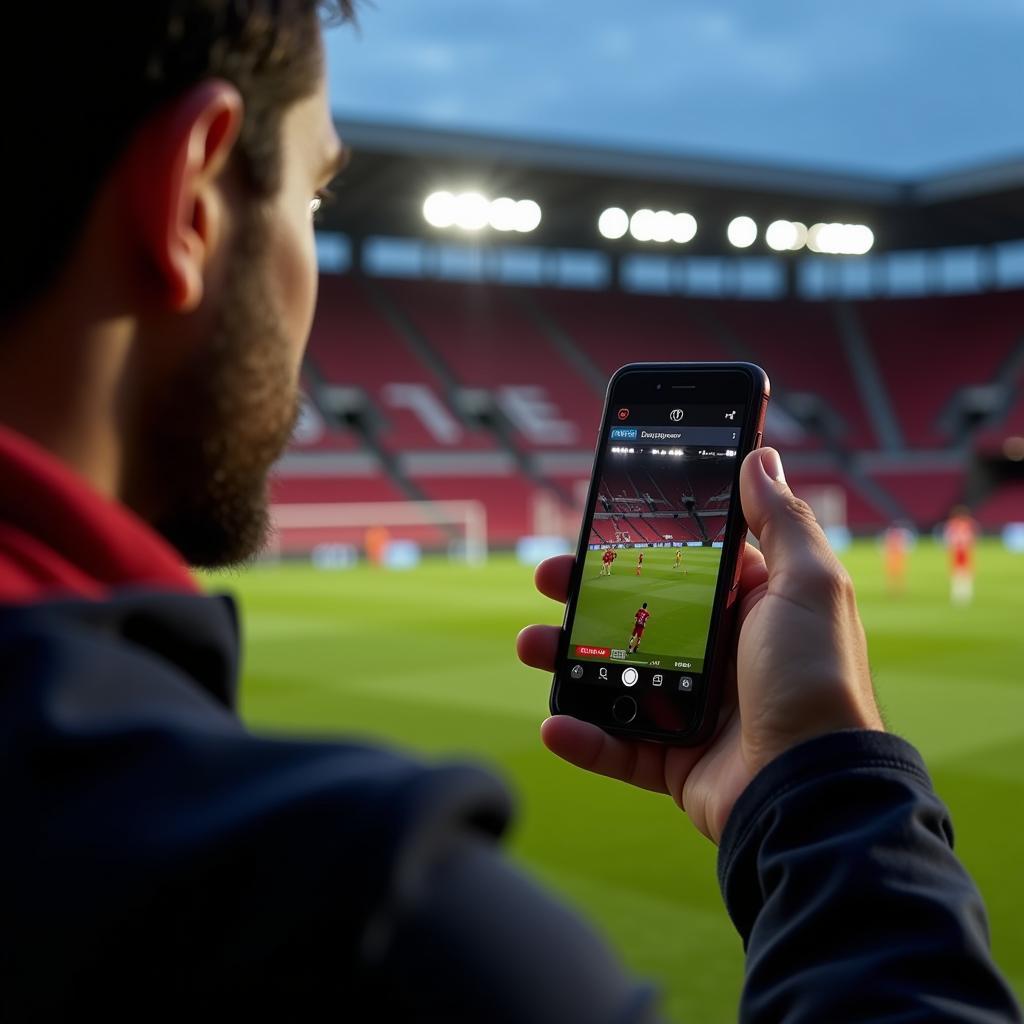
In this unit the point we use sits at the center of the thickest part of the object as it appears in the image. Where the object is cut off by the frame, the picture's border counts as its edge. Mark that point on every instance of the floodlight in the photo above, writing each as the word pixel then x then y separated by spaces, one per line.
pixel 641 225
pixel 503 214
pixel 684 228
pixel 472 211
pixel 742 232
pixel 439 209
pixel 781 235
pixel 528 216
pixel 613 223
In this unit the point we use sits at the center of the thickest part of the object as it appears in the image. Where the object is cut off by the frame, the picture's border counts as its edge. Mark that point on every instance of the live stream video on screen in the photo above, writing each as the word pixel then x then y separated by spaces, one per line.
pixel 654 549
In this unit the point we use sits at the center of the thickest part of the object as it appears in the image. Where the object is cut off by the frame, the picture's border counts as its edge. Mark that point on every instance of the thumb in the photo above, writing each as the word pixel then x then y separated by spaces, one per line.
pixel 791 540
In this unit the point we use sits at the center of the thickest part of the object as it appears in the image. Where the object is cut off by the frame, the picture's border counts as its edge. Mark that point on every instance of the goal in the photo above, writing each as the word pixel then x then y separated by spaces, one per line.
pixel 458 527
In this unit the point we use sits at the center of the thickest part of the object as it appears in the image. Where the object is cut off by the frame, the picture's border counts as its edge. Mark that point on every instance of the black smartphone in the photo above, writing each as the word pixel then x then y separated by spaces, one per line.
pixel 650 612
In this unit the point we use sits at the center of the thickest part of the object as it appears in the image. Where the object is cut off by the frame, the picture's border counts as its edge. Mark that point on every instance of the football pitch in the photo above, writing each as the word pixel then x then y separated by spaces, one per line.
pixel 679 601
pixel 424 659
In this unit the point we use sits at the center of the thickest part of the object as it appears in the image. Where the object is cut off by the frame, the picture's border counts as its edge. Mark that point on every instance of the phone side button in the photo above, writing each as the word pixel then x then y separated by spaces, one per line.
pixel 624 710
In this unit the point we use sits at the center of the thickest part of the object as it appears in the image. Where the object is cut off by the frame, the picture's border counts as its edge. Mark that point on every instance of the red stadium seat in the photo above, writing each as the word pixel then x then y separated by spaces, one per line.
pixel 353 345
pixel 487 340
pixel 928 349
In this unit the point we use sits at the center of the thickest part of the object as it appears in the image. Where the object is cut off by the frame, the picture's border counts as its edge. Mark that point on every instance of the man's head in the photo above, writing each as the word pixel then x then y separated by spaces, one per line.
pixel 645 604
pixel 159 213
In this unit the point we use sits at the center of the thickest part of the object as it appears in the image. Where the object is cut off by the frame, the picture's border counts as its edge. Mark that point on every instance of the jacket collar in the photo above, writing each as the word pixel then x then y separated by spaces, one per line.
pixel 60 538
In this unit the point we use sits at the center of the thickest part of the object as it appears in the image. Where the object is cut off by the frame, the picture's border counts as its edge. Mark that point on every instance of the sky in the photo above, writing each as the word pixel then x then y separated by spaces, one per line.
pixel 896 88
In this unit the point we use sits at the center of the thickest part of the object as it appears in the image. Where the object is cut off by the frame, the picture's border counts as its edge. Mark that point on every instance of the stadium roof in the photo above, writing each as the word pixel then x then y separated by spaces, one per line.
pixel 394 167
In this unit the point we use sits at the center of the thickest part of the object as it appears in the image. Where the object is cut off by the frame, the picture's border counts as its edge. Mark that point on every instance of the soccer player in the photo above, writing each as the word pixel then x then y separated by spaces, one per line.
pixel 678 563
pixel 897 542
pixel 639 562
pixel 639 622
pixel 960 534
pixel 606 563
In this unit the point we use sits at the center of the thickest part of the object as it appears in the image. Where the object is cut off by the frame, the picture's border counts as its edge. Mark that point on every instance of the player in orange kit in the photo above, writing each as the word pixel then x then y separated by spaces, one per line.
pixel 897 544
pixel 961 533
pixel 639 562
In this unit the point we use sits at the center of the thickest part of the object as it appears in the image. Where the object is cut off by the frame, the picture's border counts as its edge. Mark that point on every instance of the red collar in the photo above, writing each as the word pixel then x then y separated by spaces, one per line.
pixel 59 537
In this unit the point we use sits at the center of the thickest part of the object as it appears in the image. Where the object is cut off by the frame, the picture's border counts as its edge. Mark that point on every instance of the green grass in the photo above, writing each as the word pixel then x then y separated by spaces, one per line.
pixel 679 601
pixel 425 660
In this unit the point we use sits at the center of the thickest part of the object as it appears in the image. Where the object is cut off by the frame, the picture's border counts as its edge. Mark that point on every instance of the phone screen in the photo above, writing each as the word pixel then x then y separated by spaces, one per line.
pixel 661 533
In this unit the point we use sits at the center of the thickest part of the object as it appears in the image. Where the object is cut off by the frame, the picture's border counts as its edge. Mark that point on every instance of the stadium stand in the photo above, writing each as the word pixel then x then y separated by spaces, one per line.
pixel 800 344
pixel 926 495
pixel 353 346
pixel 612 329
pixel 862 512
pixel 411 357
pixel 297 490
pixel 961 340
pixel 1004 505
pixel 487 340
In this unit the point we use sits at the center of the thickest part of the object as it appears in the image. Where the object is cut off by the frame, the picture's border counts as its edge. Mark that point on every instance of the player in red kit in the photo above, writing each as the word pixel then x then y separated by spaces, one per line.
pixel 606 563
pixel 960 535
pixel 640 620
pixel 639 562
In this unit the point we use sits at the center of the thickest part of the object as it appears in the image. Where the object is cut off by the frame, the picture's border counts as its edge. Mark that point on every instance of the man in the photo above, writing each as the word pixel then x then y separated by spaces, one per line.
pixel 896 542
pixel 640 618
pixel 678 561
pixel 639 562
pixel 961 534
pixel 160 860
pixel 606 562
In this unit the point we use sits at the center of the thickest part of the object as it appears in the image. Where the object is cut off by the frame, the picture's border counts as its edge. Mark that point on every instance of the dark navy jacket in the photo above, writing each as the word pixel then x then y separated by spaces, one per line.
pixel 160 860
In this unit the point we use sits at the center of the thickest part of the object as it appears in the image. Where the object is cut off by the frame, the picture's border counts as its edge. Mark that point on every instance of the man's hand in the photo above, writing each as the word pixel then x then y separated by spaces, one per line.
pixel 801 666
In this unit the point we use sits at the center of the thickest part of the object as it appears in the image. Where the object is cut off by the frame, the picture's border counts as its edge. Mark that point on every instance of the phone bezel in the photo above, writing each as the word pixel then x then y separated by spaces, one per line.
pixel 638 383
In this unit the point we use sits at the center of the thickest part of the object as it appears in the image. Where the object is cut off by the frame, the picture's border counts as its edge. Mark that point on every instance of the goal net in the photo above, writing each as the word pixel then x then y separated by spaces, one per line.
pixel 301 530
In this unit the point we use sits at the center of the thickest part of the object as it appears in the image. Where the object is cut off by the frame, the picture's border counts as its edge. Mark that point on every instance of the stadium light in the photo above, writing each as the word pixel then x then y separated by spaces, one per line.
pixel 528 216
pixel 645 225
pixel 613 223
pixel 504 214
pixel 472 211
pixel 786 235
pixel 641 225
pixel 742 232
pixel 684 228
pixel 439 209
pixel 840 239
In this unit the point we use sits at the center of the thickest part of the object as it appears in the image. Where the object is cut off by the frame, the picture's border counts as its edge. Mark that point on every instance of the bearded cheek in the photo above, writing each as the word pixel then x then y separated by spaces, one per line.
pixel 296 288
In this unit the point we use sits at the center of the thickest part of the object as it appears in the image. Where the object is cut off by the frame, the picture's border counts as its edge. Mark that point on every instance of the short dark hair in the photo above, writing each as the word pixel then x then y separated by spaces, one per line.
pixel 97 71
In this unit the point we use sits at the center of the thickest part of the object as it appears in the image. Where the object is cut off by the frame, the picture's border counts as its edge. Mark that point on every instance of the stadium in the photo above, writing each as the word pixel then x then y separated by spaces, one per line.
pixel 476 293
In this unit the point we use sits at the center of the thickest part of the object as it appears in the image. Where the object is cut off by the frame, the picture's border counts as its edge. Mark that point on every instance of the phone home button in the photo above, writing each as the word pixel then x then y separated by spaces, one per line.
pixel 624 710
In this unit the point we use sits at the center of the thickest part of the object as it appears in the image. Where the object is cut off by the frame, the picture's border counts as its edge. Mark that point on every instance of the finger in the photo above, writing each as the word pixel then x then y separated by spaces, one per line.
pixel 552 577
pixel 588 747
pixel 792 542
pixel 537 646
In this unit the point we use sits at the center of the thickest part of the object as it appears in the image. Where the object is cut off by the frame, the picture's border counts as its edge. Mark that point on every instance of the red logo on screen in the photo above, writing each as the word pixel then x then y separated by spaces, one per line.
pixel 592 652
pixel 623 414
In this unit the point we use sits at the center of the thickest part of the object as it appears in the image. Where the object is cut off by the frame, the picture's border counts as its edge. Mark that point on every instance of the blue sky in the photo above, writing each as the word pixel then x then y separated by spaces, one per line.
pixel 895 87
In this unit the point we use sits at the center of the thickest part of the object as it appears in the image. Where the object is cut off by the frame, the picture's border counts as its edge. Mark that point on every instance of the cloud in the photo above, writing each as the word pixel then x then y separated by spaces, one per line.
pixel 894 87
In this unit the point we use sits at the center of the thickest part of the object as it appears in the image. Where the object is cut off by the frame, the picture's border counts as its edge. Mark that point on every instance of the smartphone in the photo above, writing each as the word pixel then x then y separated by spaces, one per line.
pixel 645 642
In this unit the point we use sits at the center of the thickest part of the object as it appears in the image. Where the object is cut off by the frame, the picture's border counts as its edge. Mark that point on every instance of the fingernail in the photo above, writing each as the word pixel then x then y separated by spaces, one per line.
pixel 771 463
